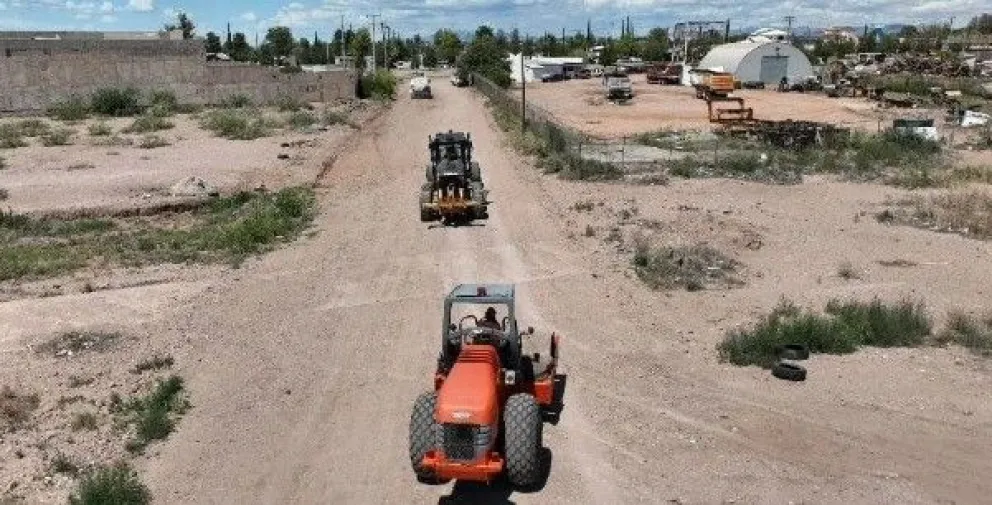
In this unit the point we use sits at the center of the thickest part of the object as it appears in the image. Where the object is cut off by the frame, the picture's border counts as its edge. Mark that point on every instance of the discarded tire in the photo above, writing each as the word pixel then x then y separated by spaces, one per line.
pixel 793 352
pixel 789 371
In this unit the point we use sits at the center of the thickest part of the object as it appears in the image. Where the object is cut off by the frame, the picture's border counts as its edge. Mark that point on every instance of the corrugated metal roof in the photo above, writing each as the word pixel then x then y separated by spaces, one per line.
pixel 727 57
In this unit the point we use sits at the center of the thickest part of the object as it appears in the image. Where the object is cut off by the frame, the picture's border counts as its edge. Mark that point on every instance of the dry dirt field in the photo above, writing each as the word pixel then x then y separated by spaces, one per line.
pixel 579 104
pixel 302 366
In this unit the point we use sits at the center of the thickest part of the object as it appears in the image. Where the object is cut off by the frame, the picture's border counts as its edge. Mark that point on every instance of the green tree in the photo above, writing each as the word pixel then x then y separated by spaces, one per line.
pixel 656 46
pixel 430 57
pixel 361 46
pixel 280 40
pixel 484 32
pixel 448 45
pixel 212 43
pixel 239 50
pixel 484 57
pixel 184 23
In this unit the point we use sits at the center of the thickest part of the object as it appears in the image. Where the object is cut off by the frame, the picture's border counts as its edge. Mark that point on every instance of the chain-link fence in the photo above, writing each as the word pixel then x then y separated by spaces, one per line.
pixel 588 157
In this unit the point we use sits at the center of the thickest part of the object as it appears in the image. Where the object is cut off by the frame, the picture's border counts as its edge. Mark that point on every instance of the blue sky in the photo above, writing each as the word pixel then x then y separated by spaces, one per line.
pixel 425 16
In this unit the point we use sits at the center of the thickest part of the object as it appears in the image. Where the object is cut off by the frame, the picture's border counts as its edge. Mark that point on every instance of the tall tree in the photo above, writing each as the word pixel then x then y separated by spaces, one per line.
pixel 361 46
pixel 448 45
pixel 484 32
pixel 280 39
pixel 239 49
pixel 212 43
pixel 656 45
pixel 486 58
pixel 184 23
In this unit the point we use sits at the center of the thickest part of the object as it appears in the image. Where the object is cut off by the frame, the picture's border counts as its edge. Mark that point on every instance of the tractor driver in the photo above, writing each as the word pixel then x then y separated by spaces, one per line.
pixel 489 321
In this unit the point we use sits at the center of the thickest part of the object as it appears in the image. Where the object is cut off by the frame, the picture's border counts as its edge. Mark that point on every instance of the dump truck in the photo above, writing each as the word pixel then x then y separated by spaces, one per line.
pixel 618 86
pixel 664 73
pixel 712 85
pixel 484 416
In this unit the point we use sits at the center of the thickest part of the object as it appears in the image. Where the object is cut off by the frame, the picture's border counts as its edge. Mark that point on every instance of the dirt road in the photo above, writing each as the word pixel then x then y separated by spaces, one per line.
pixel 303 366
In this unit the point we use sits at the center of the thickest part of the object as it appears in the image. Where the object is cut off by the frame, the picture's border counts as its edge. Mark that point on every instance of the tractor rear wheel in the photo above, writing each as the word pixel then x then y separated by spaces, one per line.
pixel 426 215
pixel 523 431
pixel 423 430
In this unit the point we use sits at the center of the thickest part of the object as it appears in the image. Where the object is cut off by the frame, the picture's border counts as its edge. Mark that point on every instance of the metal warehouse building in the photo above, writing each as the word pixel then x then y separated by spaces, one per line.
pixel 764 61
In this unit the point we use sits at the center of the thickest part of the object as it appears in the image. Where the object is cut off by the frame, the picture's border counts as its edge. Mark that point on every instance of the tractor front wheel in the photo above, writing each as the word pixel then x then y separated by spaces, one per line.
pixel 423 430
pixel 523 425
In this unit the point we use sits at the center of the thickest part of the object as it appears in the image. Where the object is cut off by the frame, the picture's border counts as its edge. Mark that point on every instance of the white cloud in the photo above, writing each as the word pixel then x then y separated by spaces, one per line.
pixel 141 5
pixel 250 17
pixel 108 18
pixel 107 7
pixel 3 6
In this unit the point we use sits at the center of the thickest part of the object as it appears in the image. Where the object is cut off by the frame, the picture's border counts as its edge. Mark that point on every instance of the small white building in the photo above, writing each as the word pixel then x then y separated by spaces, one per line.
pixel 537 67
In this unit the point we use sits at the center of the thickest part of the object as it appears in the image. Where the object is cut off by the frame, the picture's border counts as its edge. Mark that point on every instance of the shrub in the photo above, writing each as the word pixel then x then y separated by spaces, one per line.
pixel 4 194
pixel 84 421
pixel 845 327
pixel 11 137
pixel 153 363
pixel 165 102
pixel 688 267
pixel 301 119
pixel 100 129
pixel 333 117
pixel 288 103
pixel 117 485
pixel 149 123
pixel 64 464
pixel 381 85
pixel 153 142
pixel 969 332
pixel 58 137
pixel 236 124
pixel 33 127
pixel 236 101
pixel 16 408
pixel 154 415
pixel 72 108
pixel 116 101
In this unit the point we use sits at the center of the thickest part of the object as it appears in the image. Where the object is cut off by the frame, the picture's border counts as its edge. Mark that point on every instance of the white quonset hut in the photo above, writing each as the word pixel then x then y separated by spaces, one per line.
pixel 759 60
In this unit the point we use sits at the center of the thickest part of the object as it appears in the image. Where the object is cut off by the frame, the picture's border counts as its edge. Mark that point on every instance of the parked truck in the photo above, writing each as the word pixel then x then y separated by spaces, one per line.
pixel 420 86
pixel 618 86
pixel 712 85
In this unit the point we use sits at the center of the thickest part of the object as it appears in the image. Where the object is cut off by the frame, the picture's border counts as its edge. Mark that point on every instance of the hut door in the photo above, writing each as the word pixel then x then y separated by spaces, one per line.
pixel 774 68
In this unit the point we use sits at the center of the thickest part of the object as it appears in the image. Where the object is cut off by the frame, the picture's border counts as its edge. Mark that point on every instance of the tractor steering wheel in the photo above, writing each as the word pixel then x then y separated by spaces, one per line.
pixel 482 335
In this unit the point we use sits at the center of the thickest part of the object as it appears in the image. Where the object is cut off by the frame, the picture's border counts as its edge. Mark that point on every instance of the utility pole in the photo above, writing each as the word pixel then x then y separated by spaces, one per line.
pixel 385 45
pixel 523 95
pixel 374 16
pixel 789 20
pixel 343 53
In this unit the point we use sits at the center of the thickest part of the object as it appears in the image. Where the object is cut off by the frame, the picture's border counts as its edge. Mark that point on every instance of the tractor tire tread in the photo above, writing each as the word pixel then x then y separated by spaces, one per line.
pixel 422 435
pixel 523 425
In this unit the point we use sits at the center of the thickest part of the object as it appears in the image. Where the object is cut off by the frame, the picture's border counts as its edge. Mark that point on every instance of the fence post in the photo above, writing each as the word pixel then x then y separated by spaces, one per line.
pixel 623 153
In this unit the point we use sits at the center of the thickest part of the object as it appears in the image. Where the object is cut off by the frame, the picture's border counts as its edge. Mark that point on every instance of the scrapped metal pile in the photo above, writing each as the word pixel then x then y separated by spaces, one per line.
pixel 925 65
pixel 789 133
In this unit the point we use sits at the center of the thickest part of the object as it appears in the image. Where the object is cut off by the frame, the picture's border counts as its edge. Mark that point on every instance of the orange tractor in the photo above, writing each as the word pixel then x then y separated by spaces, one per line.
pixel 486 414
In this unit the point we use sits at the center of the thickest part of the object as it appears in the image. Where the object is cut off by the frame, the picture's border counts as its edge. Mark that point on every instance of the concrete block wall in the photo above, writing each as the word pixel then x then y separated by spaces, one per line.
pixel 36 73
